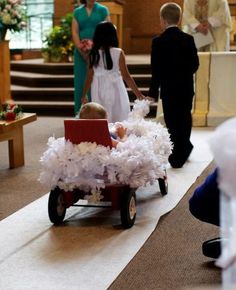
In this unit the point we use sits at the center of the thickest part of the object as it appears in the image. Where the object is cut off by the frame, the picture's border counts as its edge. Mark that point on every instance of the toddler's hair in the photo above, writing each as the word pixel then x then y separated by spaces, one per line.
pixel 171 12
pixel 92 110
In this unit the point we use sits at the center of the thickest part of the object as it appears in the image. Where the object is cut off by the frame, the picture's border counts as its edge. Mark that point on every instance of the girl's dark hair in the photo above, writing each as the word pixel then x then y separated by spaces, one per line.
pixel 105 36
pixel 83 2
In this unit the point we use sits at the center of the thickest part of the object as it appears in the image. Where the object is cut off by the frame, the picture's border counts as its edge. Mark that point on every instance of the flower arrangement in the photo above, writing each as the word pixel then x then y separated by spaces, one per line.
pixel 58 45
pixel 86 45
pixel 11 112
pixel 12 16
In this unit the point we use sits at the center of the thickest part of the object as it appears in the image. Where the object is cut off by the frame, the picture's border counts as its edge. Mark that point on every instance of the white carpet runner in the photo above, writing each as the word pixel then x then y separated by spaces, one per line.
pixel 90 249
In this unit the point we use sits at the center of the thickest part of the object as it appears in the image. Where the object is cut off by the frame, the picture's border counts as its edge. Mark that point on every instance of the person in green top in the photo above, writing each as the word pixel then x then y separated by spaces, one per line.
pixel 85 19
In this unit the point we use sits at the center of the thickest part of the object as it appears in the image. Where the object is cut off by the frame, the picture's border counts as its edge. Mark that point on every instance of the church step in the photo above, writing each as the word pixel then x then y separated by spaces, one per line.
pixel 23 93
pixel 48 89
pixel 38 66
pixel 41 80
pixel 30 79
pixel 48 108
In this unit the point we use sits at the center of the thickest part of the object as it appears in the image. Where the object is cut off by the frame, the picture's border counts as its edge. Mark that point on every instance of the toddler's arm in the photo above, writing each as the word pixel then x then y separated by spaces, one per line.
pixel 120 130
pixel 114 142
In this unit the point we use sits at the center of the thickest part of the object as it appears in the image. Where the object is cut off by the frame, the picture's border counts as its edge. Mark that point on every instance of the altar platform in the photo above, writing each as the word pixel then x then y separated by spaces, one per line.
pixel 47 88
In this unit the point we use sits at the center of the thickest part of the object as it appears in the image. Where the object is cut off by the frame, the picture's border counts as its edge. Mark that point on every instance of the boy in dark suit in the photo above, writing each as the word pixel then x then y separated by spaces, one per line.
pixel 174 60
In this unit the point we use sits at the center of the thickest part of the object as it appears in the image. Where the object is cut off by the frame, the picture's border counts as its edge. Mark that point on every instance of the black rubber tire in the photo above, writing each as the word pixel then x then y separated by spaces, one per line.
pixel 128 208
pixel 56 206
pixel 163 184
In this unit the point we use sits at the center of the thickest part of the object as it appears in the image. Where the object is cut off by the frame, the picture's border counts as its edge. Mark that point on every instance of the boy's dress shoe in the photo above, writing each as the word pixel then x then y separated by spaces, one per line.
pixel 178 160
pixel 212 248
pixel 175 163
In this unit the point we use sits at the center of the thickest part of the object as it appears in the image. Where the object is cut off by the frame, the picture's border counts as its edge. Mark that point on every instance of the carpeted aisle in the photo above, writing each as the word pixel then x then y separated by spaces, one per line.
pixel 171 258
pixel 91 250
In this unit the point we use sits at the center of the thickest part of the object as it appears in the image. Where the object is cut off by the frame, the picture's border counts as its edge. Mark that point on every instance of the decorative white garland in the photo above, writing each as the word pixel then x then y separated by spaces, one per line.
pixel 137 161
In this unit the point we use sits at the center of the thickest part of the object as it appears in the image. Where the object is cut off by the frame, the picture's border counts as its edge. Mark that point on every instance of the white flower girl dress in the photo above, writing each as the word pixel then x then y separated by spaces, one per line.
pixel 108 88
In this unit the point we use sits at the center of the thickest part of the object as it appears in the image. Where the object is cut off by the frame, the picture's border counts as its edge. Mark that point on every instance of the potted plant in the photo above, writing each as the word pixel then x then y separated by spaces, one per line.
pixel 16 53
pixel 58 45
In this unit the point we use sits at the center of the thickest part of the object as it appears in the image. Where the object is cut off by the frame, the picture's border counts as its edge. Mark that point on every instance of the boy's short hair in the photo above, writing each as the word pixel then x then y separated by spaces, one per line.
pixel 171 12
pixel 92 110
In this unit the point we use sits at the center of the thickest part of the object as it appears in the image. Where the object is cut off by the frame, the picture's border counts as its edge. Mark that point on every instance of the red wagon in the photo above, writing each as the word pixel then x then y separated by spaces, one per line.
pixel 121 197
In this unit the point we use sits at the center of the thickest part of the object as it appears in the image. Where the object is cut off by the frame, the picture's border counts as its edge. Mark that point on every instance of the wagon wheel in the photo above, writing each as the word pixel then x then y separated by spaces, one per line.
pixel 128 208
pixel 163 184
pixel 56 206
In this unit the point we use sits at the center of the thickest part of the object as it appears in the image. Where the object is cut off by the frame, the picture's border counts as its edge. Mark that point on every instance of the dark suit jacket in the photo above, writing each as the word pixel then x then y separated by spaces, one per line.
pixel 174 60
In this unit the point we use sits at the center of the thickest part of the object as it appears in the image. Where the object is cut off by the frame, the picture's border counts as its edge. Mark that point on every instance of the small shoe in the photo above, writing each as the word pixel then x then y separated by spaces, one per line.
pixel 178 160
pixel 175 162
pixel 212 248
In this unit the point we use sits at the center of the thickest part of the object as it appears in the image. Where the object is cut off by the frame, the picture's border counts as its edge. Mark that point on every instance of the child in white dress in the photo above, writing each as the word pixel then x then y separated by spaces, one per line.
pixel 107 70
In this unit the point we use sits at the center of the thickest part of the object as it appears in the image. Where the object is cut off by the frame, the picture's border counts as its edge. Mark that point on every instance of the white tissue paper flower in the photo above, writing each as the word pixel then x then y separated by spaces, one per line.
pixel 137 161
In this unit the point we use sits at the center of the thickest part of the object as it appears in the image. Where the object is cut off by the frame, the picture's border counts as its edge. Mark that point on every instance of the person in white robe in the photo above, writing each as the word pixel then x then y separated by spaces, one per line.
pixel 208 15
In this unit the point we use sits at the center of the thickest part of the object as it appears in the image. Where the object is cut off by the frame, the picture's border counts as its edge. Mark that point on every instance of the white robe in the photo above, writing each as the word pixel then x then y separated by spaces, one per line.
pixel 219 18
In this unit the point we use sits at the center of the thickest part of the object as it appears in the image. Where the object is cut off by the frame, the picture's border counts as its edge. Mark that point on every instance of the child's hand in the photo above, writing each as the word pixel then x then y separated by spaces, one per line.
pixel 150 99
pixel 84 100
pixel 120 130
pixel 114 142
pixel 141 97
